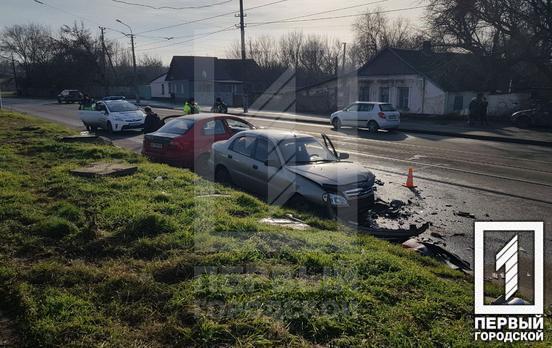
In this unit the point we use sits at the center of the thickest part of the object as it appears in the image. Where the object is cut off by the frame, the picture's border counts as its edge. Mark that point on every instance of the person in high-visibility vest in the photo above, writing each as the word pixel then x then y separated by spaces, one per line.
pixel 188 107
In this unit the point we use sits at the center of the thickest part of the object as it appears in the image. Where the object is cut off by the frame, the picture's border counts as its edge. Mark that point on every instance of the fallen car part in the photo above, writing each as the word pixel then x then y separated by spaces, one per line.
pixel 395 235
pixel 433 250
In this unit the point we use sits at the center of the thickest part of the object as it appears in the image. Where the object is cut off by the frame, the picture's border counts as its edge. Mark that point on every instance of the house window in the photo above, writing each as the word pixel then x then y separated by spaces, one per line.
pixel 458 103
pixel 364 92
pixel 403 97
pixel 384 94
pixel 162 89
pixel 171 87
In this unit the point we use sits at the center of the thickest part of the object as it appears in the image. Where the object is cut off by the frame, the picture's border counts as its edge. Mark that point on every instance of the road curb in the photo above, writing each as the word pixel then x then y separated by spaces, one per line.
pixel 418 131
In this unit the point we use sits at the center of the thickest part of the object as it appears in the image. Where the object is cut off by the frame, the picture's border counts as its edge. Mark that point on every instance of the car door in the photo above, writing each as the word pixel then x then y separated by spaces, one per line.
pixel 350 115
pixel 365 114
pixel 101 115
pixel 265 170
pixel 239 160
pixel 91 117
pixel 212 131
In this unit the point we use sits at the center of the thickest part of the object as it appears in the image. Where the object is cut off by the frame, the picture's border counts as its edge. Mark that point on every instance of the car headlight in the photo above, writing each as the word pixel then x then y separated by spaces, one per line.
pixel 335 200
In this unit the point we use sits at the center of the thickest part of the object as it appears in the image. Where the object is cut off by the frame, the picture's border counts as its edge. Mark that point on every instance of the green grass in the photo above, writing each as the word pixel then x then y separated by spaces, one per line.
pixel 138 262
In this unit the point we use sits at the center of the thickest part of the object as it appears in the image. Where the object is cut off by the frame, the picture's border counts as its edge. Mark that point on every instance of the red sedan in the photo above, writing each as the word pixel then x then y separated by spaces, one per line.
pixel 186 141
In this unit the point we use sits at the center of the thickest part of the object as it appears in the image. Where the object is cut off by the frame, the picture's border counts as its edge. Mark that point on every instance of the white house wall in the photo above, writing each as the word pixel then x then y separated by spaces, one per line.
pixel 157 88
pixel 435 98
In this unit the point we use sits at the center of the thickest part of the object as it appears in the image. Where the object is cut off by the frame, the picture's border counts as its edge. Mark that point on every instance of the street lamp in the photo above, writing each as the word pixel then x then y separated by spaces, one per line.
pixel 133 60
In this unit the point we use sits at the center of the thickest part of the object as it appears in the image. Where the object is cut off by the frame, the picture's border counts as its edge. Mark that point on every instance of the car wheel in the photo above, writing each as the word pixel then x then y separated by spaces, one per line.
pixel 109 127
pixel 201 165
pixel 373 126
pixel 336 122
pixel 223 176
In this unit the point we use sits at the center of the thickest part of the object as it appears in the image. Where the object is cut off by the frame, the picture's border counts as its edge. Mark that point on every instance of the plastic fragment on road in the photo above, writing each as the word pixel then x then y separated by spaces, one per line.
pixel 101 169
pixel 430 249
pixel 285 223
pixel 464 214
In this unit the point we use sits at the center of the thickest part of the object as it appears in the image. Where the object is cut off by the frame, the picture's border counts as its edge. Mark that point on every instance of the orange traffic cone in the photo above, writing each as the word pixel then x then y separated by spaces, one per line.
pixel 410 180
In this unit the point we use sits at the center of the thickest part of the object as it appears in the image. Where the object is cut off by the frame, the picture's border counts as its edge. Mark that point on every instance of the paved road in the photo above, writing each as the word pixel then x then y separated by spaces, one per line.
pixel 492 180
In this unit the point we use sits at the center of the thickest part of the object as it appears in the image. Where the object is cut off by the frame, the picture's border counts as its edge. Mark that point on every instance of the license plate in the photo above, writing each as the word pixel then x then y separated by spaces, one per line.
pixel 156 146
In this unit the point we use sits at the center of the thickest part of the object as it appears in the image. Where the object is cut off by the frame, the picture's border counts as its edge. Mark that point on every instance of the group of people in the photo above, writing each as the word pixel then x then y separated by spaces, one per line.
pixel 191 107
pixel 478 111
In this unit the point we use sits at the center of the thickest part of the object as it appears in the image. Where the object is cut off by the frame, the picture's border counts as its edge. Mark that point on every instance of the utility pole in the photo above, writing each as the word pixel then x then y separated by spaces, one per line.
pixel 103 62
pixel 244 62
pixel 344 56
pixel 14 75
pixel 133 61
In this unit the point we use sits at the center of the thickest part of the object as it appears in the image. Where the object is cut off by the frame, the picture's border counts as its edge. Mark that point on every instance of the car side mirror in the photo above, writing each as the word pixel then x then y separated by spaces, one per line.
pixel 344 156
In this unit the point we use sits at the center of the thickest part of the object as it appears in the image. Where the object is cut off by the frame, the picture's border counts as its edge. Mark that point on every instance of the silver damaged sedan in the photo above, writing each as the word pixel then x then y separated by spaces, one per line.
pixel 281 166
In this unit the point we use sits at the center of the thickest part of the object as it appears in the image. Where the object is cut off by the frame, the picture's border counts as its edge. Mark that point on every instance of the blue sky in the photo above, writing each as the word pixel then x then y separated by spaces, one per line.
pixel 187 41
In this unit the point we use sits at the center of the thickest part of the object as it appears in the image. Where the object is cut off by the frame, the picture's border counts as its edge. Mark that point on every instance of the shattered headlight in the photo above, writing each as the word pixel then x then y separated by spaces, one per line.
pixel 335 200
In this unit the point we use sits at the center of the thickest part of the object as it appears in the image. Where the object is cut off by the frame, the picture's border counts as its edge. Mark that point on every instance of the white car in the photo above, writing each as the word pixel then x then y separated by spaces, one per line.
pixel 371 115
pixel 113 116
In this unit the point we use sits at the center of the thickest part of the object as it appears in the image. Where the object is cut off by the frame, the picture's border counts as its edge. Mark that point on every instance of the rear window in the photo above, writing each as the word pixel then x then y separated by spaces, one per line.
pixel 178 126
pixel 387 107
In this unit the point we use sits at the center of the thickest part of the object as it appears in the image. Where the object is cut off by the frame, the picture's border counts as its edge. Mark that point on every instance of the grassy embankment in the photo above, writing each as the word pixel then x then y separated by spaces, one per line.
pixel 135 261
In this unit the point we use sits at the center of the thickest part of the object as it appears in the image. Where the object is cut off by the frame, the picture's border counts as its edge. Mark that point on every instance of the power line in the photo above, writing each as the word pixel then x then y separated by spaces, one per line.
pixel 171 7
pixel 41 2
pixel 293 20
pixel 208 18
pixel 232 27
pixel 336 9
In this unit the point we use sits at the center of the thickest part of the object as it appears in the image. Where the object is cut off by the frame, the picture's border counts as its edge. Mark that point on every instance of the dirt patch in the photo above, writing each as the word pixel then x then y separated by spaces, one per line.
pixel 8 336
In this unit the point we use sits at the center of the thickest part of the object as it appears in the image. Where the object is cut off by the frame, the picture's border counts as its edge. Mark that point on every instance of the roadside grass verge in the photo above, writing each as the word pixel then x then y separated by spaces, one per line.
pixel 165 258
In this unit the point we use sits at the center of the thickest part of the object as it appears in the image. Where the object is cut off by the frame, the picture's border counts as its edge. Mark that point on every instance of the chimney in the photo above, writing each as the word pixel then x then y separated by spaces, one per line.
pixel 426 47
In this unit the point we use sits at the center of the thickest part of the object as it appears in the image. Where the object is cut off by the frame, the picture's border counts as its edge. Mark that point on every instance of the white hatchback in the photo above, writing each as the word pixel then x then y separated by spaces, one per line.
pixel 113 116
pixel 371 115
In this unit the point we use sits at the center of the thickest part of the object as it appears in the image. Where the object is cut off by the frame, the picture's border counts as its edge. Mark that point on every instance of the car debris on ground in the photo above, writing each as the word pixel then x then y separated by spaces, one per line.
pixel 433 250
pixel 464 214
pixel 293 224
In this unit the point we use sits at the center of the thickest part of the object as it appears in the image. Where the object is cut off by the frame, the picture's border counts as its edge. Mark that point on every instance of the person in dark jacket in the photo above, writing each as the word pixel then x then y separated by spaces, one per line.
pixel 483 112
pixel 475 109
pixel 152 121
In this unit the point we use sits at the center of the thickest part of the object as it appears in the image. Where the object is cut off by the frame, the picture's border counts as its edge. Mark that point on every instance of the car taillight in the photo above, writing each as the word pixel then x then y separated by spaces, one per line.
pixel 173 145
pixel 381 115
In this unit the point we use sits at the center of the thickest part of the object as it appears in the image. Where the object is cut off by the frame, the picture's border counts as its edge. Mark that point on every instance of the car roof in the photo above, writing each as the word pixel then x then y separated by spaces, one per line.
pixel 369 102
pixel 275 135
pixel 205 116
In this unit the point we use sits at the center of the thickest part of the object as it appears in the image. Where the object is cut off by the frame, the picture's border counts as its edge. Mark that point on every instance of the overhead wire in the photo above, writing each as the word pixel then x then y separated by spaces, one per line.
pixel 129 3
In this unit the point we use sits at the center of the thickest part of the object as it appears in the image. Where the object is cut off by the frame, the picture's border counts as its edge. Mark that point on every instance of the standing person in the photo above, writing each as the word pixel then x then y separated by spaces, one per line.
pixel 219 107
pixel 195 107
pixel 475 109
pixel 152 121
pixel 188 107
pixel 86 103
pixel 483 112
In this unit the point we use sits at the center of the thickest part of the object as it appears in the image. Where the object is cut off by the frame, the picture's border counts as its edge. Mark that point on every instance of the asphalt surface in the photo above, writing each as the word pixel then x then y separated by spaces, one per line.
pixel 491 180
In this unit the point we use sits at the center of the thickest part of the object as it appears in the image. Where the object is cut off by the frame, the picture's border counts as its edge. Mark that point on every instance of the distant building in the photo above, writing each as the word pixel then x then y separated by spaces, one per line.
pixel 207 78
pixel 160 87
pixel 414 81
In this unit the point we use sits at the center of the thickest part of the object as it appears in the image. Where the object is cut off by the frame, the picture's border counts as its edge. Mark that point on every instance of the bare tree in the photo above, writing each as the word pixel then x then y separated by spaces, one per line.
pixel 513 31
pixel 374 32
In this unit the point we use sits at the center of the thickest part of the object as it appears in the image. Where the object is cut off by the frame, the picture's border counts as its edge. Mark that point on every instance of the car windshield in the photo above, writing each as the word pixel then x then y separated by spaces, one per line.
pixel 297 151
pixel 387 107
pixel 120 106
pixel 178 126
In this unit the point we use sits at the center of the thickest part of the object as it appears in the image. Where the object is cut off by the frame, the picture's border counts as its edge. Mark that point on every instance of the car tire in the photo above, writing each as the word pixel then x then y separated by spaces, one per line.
pixel 336 123
pixel 373 126
pixel 222 176
pixel 109 127
pixel 201 165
